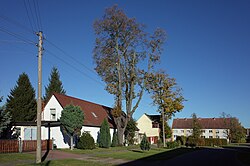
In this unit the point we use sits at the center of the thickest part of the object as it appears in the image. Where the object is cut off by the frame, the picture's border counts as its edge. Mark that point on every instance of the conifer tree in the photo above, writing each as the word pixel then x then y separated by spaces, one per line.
pixel 21 102
pixel 144 145
pixel 5 118
pixel 114 139
pixel 105 139
pixel 55 84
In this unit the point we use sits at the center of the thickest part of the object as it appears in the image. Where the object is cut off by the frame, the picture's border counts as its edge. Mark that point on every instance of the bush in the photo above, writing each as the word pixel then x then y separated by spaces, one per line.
pixel 181 139
pixel 86 141
pixel 171 145
pixel 114 140
pixel 159 143
pixel 192 142
pixel 144 145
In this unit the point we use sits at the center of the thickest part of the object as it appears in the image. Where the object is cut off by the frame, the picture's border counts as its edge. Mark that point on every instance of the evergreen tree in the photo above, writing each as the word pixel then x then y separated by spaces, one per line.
pixel 104 140
pixel 114 139
pixel 21 102
pixel 5 118
pixel 130 131
pixel 55 85
pixel 72 121
pixel 144 145
pixel 196 127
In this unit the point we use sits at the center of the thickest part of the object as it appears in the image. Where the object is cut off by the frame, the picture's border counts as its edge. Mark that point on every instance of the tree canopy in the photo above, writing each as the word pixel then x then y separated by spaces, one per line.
pixel 165 93
pixel 21 102
pixel 123 54
pixel 72 121
pixel 55 84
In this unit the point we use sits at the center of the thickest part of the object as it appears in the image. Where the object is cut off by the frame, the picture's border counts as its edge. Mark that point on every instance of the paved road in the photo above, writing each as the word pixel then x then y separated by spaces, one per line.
pixel 205 157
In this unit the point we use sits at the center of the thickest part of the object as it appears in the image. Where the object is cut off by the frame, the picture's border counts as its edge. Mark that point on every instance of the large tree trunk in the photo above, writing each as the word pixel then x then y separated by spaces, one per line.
pixel 121 123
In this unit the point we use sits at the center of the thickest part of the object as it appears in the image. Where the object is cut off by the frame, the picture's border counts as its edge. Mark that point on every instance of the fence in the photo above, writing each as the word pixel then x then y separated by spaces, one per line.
pixel 14 146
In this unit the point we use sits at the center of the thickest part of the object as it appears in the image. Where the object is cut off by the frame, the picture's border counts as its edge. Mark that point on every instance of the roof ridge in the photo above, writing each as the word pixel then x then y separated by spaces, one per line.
pixel 80 99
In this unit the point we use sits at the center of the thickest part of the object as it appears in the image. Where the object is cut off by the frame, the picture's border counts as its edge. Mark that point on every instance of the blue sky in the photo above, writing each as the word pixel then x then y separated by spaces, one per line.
pixel 207 50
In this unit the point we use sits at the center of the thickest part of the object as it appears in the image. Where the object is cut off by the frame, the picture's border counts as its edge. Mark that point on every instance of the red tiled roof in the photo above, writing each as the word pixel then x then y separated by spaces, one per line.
pixel 94 114
pixel 206 123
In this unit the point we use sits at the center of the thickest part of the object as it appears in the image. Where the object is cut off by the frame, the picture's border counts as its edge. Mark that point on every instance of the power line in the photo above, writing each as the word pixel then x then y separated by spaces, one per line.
pixel 28 15
pixel 36 15
pixel 32 15
pixel 17 36
pixel 67 63
pixel 39 15
pixel 65 53
pixel 16 23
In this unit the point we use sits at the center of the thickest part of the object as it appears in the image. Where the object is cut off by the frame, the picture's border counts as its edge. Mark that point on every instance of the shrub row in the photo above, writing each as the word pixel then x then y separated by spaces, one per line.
pixel 192 142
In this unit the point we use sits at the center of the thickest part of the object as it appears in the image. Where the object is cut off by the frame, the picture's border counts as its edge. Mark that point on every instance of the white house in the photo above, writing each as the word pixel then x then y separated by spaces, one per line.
pixel 210 127
pixel 94 115
pixel 150 125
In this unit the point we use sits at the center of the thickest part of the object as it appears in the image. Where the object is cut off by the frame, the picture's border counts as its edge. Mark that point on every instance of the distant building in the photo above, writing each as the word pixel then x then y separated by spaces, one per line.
pixel 150 125
pixel 210 127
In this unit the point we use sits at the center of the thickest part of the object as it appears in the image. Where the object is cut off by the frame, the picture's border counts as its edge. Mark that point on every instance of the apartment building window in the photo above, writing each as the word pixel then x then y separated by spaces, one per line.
pixel 182 131
pixel 203 137
pixel 210 131
pixel 203 131
pixel 52 114
pixel 210 136
pixel 217 131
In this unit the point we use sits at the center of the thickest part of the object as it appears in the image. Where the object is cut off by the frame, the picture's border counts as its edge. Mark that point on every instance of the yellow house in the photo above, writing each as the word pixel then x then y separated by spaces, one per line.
pixel 149 125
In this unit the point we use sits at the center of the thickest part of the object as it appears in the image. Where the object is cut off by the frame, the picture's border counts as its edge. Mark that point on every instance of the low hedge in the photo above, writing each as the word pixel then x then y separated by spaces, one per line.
pixel 193 142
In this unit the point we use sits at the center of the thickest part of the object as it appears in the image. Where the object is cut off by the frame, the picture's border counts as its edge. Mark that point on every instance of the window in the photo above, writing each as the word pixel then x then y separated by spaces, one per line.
pixel 182 131
pixel 203 131
pixel 203 137
pixel 52 114
pixel 210 131
pixel 210 136
pixel 217 136
pixel 155 125
pixel 217 131
pixel 94 114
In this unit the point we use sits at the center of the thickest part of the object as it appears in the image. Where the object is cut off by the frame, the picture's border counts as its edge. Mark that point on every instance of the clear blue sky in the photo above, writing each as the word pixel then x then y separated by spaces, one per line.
pixel 207 50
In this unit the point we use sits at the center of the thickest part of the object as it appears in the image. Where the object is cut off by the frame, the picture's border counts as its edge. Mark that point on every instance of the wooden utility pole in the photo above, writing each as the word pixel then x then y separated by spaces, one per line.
pixel 163 128
pixel 39 99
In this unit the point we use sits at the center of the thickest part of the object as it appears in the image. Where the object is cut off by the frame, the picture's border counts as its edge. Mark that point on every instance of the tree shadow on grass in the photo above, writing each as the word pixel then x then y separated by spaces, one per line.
pixel 161 156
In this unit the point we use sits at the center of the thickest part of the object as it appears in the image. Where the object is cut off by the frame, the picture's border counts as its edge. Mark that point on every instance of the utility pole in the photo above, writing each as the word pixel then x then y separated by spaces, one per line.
pixel 39 99
pixel 163 128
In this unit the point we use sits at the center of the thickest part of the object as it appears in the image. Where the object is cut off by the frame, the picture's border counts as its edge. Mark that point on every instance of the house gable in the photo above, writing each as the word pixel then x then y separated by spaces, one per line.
pixel 94 114
pixel 144 124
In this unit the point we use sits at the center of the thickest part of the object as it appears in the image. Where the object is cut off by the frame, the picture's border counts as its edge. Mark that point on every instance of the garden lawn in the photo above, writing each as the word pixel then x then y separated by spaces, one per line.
pixel 11 157
pixel 68 162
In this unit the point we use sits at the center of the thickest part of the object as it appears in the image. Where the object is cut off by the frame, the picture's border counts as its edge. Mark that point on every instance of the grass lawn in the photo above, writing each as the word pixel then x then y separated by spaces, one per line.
pixel 68 162
pixel 7 157
pixel 134 153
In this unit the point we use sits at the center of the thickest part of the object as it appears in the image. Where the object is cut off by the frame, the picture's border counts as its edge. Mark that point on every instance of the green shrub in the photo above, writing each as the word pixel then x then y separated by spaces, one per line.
pixel 191 141
pixel 159 143
pixel 104 137
pixel 181 139
pixel 86 141
pixel 114 140
pixel 171 145
pixel 144 145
